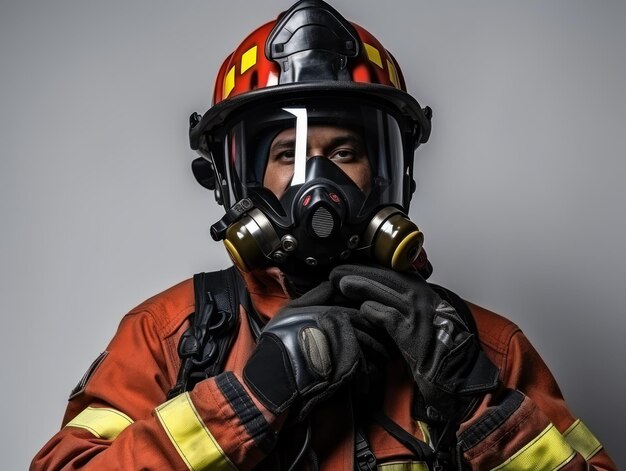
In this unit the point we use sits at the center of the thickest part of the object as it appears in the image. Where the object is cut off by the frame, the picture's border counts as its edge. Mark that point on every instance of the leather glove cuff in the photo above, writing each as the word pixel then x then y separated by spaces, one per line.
pixel 269 375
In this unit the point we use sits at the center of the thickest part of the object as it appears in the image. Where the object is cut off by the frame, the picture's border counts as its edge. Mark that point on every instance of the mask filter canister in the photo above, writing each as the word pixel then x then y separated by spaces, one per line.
pixel 251 240
pixel 394 239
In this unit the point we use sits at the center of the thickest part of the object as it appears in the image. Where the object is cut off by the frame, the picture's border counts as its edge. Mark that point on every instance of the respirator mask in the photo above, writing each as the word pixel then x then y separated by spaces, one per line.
pixel 314 182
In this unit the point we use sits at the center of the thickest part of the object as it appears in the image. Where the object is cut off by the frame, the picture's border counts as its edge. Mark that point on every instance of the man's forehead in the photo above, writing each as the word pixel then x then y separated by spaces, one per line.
pixel 321 130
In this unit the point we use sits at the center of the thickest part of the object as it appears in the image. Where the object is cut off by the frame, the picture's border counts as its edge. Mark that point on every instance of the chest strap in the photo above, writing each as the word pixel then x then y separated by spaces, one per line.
pixel 204 346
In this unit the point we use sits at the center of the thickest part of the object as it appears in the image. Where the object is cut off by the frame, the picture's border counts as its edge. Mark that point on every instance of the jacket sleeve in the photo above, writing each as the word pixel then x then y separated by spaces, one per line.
pixel 121 420
pixel 526 424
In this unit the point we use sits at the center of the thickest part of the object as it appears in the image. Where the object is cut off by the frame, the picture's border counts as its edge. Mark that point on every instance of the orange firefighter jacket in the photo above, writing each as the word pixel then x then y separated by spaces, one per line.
pixel 118 418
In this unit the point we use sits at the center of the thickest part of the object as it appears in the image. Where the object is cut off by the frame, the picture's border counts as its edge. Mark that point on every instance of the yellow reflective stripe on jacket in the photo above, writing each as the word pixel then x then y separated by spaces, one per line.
pixel 408 466
pixel 582 440
pixel 548 451
pixel 101 421
pixel 423 426
pixel 191 438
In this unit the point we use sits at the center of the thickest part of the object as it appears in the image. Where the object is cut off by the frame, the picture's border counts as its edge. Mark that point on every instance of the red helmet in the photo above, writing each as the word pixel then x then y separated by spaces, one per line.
pixel 310 62
pixel 257 62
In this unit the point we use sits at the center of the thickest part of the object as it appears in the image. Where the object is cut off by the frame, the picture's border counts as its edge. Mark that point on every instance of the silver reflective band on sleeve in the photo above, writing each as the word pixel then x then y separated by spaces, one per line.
pixel 546 452
pixel 101 421
pixel 582 440
pixel 191 438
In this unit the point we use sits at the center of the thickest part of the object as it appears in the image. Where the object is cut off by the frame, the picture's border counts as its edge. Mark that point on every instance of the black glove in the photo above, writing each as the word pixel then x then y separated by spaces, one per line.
pixel 304 354
pixel 445 358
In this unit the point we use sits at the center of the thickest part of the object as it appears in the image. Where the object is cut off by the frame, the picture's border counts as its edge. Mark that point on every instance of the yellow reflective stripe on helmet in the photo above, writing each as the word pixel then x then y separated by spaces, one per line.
pixel 373 55
pixel 248 59
pixel 582 440
pixel 393 75
pixel 191 438
pixel 548 451
pixel 229 83
pixel 101 421
pixel 407 466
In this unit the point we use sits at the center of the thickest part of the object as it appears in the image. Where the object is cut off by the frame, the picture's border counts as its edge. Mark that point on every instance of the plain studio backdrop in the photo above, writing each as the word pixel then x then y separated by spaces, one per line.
pixel 520 191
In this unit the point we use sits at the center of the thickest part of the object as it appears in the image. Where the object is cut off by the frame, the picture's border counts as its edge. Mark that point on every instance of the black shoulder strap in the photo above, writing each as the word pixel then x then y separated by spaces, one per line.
pixel 204 346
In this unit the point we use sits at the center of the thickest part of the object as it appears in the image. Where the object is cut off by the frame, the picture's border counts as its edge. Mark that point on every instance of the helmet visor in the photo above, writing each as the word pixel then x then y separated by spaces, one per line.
pixel 267 151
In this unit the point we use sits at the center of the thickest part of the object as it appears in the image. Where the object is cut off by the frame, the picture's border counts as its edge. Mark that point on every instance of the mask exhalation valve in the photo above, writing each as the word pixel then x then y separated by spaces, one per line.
pixel 322 222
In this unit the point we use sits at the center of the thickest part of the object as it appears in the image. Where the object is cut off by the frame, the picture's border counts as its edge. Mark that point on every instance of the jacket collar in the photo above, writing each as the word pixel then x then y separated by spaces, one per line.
pixel 268 290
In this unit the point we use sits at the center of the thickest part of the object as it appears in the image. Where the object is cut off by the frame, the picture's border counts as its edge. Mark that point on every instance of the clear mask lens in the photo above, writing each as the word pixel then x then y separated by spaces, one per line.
pixel 266 150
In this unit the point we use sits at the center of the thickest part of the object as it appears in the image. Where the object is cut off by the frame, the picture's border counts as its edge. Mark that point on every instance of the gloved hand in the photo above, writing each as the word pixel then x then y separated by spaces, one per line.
pixel 445 358
pixel 305 353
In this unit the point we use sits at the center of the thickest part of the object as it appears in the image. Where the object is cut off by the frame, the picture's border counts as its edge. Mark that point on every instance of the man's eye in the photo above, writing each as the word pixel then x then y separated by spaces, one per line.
pixel 285 156
pixel 343 155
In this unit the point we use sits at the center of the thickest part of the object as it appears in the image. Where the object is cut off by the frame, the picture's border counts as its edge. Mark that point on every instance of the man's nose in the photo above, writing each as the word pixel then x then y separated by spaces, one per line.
pixel 314 152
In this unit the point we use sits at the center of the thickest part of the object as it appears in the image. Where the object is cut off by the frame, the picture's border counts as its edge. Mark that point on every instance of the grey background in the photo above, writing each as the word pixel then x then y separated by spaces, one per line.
pixel 520 190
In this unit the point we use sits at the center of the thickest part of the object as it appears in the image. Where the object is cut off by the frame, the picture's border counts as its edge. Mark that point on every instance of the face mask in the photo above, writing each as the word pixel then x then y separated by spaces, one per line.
pixel 308 211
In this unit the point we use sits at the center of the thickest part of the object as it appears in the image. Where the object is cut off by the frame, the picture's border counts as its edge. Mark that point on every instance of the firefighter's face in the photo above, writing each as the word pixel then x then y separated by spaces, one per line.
pixel 343 146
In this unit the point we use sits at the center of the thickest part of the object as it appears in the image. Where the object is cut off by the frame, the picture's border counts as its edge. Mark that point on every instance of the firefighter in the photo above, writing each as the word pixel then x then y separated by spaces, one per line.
pixel 325 347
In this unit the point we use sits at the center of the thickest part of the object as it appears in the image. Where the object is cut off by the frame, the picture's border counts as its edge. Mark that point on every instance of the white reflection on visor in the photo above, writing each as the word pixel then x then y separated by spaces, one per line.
pixel 299 172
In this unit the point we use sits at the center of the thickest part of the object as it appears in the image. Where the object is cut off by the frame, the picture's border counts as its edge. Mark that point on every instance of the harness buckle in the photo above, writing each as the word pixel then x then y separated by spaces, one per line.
pixel 365 459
